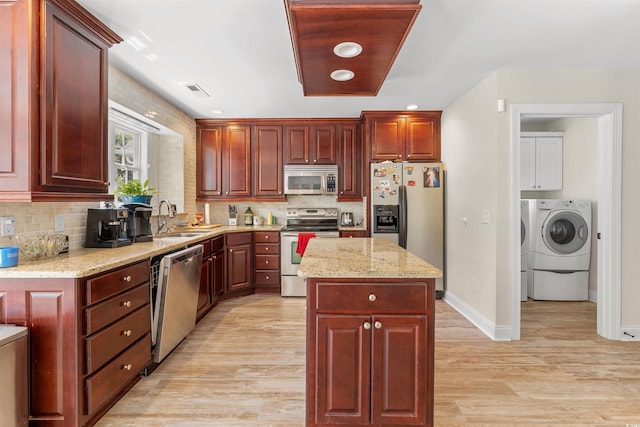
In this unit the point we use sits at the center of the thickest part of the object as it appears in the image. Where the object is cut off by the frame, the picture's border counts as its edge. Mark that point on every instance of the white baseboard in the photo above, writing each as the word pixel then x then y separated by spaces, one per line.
pixel 496 333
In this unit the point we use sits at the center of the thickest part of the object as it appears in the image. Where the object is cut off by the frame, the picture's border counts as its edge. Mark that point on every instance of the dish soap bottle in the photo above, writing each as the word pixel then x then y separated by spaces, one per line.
pixel 270 221
pixel 248 216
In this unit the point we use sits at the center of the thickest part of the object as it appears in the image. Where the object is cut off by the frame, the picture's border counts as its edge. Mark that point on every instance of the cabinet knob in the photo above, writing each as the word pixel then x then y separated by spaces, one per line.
pixel 367 325
pixel 125 304
pixel 230 250
pixel 127 367
pixel 266 238
pixel 126 333
pixel 218 193
pixel 399 156
pixel 377 325
pixel 126 278
pixel 372 297
pixel 314 161
pixel 266 277
pixel 266 262
pixel 306 160
pixel 227 193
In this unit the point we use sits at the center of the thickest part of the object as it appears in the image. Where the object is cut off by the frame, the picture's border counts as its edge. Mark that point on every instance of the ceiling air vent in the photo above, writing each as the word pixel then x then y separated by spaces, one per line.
pixel 197 91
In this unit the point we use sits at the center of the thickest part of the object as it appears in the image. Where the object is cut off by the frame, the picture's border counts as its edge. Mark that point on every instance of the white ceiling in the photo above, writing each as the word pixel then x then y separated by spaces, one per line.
pixel 239 51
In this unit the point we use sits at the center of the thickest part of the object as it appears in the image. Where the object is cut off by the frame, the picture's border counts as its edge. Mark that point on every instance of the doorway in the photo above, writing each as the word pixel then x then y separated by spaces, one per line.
pixel 609 174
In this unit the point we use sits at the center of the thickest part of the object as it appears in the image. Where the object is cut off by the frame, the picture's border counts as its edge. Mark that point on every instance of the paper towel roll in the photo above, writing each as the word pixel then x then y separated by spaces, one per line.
pixel 207 218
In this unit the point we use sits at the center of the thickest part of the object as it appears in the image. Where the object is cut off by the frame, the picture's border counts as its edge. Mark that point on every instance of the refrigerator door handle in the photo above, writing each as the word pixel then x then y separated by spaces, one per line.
pixel 402 198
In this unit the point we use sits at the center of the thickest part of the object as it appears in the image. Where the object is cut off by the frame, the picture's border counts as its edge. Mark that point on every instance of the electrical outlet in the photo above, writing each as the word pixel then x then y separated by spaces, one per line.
pixel 7 226
pixel 58 223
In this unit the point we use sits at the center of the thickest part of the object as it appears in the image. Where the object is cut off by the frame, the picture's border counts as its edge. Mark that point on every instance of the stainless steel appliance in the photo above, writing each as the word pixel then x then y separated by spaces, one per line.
pixel 14 360
pixel 322 222
pixel 346 219
pixel 139 222
pixel 407 207
pixel 174 292
pixel 107 228
pixel 312 179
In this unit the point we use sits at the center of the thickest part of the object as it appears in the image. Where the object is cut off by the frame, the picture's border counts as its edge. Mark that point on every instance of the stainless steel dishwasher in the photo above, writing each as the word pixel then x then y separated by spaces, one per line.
pixel 175 299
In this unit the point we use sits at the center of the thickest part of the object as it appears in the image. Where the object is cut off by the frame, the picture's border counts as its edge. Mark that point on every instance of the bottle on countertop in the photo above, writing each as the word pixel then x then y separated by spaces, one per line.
pixel 270 219
pixel 248 216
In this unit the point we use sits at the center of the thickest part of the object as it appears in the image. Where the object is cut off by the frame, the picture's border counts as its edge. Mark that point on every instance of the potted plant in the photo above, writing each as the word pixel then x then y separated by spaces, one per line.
pixel 134 191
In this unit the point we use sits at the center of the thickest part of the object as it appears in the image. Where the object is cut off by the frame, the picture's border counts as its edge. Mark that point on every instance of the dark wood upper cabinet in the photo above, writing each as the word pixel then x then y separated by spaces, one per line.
pixel 312 144
pixel 403 136
pixel 54 77
pixel 209 155
pixel 350 176
pixel 236 174
pixel 267 161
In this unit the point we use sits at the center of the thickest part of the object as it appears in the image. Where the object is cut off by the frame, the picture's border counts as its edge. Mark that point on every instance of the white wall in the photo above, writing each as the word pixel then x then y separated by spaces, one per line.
pixel 464 127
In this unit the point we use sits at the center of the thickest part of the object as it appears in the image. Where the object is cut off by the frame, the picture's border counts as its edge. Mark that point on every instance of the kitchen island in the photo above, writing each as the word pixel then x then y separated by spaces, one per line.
pixel 370 333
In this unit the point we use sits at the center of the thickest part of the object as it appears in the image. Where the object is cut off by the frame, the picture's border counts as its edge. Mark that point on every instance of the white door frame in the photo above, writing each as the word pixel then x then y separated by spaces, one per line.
pixel 609 206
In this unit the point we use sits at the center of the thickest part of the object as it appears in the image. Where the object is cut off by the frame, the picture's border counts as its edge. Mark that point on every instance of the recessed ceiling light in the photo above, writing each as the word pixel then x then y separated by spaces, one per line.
pixel 347 49
pixel 342 75
pixel 412 107
pixel 217 111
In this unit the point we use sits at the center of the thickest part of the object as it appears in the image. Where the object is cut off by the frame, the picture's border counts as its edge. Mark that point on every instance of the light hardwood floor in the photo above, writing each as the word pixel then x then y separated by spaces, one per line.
pixel 244 366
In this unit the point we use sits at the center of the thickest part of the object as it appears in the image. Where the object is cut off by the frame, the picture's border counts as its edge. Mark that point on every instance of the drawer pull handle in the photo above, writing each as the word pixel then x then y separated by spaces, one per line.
pixel 377 325
pixel 126 278
pixel 267 277
pixel 125 304
pixel 126 333
pixel 372 297
pixel 127 367
pixel 367 325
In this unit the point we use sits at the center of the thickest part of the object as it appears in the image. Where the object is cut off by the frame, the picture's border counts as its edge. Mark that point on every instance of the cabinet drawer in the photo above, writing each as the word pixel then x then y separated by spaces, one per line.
pixel 267 262
pixel 267 237
pixel 109 284
pixel 239 239
pixel 109 380
pixel 372 297
pixel 107 343
pixel 100 315
pixel 268 277
pixel 268 248
pixel 217 244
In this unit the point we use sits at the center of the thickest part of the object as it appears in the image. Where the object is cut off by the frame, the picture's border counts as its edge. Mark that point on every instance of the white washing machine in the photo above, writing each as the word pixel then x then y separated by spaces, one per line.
pixel 525 232
pixel 560 251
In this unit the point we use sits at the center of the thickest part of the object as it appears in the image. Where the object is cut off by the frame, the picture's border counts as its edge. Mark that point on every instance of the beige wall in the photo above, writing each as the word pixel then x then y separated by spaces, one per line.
pixel 472 121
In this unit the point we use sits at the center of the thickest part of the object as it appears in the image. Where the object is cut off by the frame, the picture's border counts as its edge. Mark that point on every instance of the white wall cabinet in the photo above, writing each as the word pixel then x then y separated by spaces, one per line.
pixel 541 161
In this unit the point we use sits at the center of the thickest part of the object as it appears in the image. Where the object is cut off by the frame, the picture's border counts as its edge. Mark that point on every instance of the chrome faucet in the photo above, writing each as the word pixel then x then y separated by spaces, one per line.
pixel 172 214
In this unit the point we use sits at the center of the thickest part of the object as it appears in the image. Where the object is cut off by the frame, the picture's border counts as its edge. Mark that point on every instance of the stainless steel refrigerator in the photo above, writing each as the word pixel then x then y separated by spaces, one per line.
pixel 407 207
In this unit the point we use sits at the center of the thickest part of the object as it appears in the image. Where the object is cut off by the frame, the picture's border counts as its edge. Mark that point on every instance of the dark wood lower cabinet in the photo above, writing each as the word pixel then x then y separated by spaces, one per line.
pixel 369 353
pixel 211 275
pixel 88 340
pixel 239 260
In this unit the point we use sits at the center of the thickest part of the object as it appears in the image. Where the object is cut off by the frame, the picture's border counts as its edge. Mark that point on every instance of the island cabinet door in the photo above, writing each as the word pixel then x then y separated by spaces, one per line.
pixel 399 384
pixel 343 369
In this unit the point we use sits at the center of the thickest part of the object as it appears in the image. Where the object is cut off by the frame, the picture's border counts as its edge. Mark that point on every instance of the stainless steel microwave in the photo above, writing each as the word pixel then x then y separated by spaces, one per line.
pixel 313 179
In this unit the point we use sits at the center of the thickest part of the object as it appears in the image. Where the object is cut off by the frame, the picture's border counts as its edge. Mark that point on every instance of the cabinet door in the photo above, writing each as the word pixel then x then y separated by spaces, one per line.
pixel 349 179
pixel 239 271
pixel 423 136
pixel 400 386
pixel 343 348
pixel 324 147
pixel 267 170
pixel 387 138
pixel 296 145
pixel 549 163
pixel 73 105
pixel 209 167
pixel 527 164
pixel 237 161
pixel 205 290
pixel 217 274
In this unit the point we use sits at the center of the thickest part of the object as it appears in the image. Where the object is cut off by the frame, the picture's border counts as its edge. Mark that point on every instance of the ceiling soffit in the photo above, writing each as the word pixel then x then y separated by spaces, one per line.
pixel 316 27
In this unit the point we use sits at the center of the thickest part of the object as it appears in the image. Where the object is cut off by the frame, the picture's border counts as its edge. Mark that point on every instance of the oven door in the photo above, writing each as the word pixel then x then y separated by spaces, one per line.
pixel 292 284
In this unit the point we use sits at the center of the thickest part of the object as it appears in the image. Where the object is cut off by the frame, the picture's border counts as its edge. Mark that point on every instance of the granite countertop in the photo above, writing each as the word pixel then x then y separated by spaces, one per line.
pixel 362 258
pixel 89 261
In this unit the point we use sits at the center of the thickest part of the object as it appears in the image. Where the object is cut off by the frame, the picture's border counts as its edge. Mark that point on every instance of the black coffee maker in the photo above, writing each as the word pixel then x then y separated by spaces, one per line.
pixel 139 222
pixel 107 228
